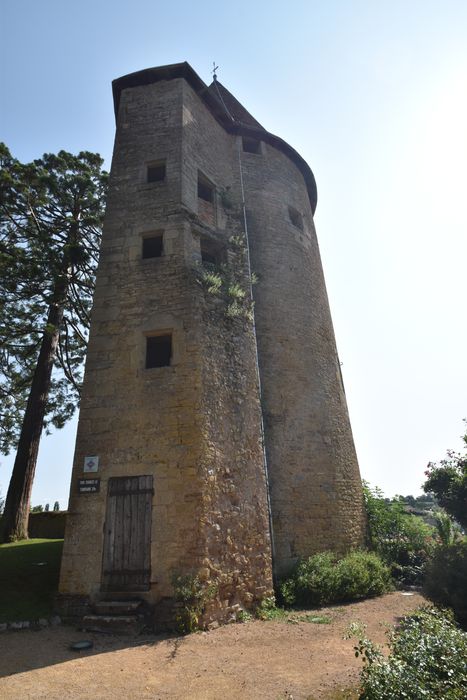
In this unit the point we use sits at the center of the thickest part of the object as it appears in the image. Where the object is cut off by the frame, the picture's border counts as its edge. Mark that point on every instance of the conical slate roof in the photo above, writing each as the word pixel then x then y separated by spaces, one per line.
pixel 232 105
pixel 228 111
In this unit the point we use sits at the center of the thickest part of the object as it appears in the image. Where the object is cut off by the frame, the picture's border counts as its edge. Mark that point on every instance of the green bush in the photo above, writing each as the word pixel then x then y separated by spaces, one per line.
pixel 312 583
pixel 361 575
pixel 448 482
pixel 267 610
pixel 324 578
pixel 404 541
pixel 447 529
pixel 191 596
pixel 427 661
pixel 446 578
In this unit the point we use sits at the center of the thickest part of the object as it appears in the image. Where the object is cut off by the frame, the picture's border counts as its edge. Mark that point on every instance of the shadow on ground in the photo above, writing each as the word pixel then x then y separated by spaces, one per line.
pixel 27 650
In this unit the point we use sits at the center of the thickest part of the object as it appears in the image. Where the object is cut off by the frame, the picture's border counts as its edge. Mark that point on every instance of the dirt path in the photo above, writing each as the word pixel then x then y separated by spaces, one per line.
pixel 274 660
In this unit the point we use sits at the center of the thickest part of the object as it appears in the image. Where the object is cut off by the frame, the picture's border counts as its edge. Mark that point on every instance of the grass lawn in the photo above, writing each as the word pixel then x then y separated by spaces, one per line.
pixel 29 572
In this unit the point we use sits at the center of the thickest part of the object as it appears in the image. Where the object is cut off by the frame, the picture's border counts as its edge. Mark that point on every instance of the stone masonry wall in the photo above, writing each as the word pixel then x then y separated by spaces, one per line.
pixel 314 476
pixel 235 519
pixel 194 425
pixel 141 421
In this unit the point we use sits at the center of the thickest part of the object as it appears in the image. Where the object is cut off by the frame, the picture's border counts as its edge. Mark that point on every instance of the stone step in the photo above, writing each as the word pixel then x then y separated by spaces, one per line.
pixel 116 607
pixel 114 624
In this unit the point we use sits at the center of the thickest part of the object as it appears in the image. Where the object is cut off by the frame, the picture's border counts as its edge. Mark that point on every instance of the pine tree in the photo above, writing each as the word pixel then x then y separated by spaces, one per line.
pixel 51 213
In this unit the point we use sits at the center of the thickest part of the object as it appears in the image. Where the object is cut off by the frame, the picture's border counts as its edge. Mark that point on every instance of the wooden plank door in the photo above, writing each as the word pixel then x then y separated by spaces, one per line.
pixel 126 563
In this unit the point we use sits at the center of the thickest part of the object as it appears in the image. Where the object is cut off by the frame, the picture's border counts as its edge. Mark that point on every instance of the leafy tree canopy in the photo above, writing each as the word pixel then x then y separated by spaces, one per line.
pixel 403 541
pixel 51 213
pixel 448 481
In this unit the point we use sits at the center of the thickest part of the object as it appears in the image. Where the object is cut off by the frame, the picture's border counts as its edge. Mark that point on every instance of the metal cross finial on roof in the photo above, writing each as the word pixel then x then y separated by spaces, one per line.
pixel 214 68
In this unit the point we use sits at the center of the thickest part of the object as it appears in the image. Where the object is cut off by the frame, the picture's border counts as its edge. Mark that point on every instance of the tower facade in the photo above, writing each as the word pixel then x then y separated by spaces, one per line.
pixel 214 438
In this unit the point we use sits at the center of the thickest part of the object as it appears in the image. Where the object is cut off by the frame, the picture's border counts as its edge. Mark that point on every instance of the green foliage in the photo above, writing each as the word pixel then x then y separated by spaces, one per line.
pixel 425 501
pixel 325 578
pixel 235 291
pixel 211 280
pixel 446 579
pixel 446 529
pixel 244 616
pixel 234 310
pixel 238 242
pixel 427 660
pixel 361 575
pixel 313 582
pixel 229 281
pixel 448 482
pixel 267 610
pixel 29 572
pixel 192 596
pixel 404 541
pixel 315 619
pixel 51 212
pixel 221 282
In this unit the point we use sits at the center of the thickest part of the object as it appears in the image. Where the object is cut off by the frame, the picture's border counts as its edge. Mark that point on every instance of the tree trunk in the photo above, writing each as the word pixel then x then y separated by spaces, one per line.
pixel 17 505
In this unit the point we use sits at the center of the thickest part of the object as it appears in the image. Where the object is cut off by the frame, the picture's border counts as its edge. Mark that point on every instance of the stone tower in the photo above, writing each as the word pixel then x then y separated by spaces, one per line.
pixel 214 438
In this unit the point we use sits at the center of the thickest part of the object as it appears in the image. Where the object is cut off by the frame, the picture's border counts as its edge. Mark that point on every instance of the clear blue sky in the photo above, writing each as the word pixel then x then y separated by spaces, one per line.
pixel 374 96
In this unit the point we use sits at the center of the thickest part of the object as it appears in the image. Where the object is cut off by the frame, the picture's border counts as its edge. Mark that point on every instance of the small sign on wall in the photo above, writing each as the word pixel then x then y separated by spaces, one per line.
pixel 89 485
pixel 91 464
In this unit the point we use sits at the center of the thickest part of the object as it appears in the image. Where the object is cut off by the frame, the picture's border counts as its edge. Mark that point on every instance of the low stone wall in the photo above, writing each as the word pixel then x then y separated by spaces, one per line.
pixel 50 525
pixel 72 607
pixel 39 624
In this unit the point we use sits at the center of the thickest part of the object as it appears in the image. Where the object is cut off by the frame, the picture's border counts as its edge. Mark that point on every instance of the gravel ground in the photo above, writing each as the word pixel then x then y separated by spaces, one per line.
pixel 291 659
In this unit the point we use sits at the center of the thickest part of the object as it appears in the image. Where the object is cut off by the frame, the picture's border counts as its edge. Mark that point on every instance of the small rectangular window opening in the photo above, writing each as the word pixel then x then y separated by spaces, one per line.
pixel 296 218
pixel 158 350
pixel 208 257
pixel 156 171
pixel 153 246
pixel 251 145
pixel 210 252
pixel 205 189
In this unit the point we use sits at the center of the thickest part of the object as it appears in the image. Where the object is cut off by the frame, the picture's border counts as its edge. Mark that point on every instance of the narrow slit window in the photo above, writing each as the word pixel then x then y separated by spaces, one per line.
pixel 296 218
pixel 153 246
pixel 158 350
pixel 251 145
pixel 205 189
pixel 156 171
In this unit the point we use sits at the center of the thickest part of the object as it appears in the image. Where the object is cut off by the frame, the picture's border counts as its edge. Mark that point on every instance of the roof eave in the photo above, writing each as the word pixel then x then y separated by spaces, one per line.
pixel 185 71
